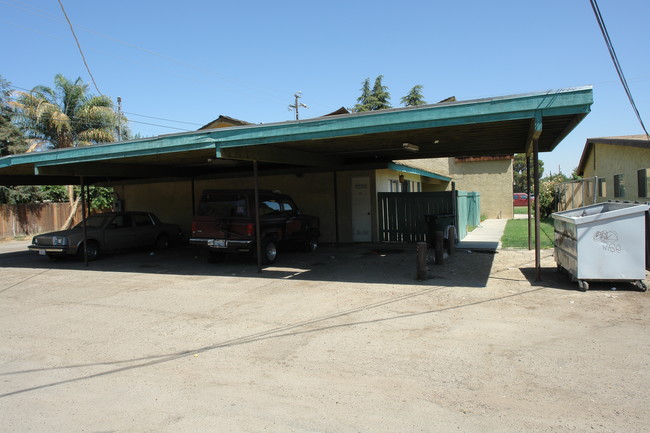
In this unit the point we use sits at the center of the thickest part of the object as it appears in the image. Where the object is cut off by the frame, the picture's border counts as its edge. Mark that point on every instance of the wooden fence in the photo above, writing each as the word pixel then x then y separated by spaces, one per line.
pixel 402 216
pixel 33 218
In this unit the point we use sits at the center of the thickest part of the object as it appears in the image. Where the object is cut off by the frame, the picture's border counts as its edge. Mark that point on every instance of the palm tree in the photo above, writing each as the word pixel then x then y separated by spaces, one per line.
pixel 66 116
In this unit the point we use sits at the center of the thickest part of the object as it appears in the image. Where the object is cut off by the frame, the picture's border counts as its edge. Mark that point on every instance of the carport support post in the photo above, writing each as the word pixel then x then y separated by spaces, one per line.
pixel 258 233
pixel 538 266
pixel 530 247
pixel 83 219
pixel 336 208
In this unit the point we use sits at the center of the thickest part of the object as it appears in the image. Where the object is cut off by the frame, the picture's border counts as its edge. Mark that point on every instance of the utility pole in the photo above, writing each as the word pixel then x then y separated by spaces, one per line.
pixel 297 104
pixel 119 118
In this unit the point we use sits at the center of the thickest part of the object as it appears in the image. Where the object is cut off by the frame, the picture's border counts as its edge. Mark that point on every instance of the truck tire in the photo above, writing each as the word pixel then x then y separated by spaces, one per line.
pixel 311 245
pixel 269 251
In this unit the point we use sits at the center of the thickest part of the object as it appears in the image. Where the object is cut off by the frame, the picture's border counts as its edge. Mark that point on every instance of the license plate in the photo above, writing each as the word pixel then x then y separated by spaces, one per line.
pixel 41 252
pixel 217 243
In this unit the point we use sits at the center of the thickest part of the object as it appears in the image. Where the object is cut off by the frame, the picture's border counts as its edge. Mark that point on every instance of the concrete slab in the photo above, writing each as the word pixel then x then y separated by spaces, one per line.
pixel 487 236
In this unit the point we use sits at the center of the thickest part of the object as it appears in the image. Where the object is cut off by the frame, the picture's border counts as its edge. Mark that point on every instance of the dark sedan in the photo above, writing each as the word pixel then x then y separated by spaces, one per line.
pixel 105 232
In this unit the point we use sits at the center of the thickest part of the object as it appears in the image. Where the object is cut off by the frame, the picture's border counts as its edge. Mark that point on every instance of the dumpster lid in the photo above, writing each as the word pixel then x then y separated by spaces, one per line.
pixel 600 211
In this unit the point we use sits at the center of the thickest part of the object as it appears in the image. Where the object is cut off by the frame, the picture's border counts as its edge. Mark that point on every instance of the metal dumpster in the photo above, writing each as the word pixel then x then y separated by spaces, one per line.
pixel 438 222
pixel 602 242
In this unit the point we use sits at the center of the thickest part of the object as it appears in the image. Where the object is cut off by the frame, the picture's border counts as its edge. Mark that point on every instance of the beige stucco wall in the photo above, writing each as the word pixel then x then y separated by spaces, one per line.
pixel 492 179
pixel 170 201
pixel 606 160
pixel 314 192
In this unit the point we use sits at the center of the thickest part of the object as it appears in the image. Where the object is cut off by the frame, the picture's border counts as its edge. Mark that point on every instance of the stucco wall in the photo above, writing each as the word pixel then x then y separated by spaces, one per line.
pixel 492 179
pixel 170 201
pixel 606 160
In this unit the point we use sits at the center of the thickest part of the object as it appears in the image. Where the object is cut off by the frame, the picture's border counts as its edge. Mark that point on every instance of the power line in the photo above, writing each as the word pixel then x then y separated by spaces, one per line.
pixel 75 120
pixel 160 118
pixel 617 65
pixel 42 13
pixel 79 46
pixel 162 126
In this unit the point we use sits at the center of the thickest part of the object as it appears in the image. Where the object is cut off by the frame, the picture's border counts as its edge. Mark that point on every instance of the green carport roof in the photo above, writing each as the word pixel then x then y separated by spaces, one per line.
pixel 491 126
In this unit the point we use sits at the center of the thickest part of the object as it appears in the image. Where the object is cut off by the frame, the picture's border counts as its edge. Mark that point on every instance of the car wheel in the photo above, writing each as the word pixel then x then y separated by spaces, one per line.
pixel 311 245
pixel 269 251
pixel 162 241
pixel 92 250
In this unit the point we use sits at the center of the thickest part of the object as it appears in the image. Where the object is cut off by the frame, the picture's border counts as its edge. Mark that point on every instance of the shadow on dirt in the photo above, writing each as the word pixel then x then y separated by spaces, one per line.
pixel 554 279
pixel 355 263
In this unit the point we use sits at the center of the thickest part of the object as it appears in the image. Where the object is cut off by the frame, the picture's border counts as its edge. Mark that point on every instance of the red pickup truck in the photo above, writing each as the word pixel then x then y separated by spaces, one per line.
pixel 225 223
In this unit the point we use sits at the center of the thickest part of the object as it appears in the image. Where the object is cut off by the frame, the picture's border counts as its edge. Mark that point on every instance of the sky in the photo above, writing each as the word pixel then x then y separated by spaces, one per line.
pixel 179 65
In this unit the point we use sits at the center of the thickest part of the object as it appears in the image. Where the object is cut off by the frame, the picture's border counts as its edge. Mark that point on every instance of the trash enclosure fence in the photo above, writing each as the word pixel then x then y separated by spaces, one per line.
pixel 402 216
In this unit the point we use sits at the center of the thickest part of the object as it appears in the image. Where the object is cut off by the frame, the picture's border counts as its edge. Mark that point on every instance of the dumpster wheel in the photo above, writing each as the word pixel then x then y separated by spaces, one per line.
pixel 641 285
pixel 583 285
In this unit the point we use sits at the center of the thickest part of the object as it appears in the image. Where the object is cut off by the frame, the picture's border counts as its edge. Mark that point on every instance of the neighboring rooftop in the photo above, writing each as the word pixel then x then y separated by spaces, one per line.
pixel 642 141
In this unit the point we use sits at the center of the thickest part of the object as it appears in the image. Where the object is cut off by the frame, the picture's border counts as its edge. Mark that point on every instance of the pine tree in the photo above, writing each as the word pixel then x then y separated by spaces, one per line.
pixel 380 94
pixel 365 102
pixel 376 98
pixel 414 97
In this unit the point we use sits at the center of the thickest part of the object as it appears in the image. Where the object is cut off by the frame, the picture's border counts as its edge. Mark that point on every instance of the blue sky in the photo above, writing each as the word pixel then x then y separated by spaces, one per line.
pixel 194 60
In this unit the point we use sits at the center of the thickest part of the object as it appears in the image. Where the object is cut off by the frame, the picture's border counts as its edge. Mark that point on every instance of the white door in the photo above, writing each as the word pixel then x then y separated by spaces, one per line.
pixel 361 222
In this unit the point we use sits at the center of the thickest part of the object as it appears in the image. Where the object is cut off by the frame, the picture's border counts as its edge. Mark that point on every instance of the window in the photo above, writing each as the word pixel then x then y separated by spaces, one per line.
pixel 413 186
pixel 394 186
pixel 121 221
pixel 619 185
pixel 270 206
pixel 644 187
pixel 142 220
pixel 602 187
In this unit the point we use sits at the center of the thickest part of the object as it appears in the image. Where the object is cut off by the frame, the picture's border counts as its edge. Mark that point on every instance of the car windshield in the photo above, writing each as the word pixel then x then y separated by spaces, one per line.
pixel 96 221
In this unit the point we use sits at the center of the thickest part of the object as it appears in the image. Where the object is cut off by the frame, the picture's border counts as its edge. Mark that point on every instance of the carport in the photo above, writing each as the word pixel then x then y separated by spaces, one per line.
pixel 525 123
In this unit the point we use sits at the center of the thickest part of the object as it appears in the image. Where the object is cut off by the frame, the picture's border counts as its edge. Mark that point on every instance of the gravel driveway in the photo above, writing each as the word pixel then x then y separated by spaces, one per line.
pixel 344 340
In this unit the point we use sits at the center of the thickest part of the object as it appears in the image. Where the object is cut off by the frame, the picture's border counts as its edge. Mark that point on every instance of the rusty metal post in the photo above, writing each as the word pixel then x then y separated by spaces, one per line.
pixel 422 268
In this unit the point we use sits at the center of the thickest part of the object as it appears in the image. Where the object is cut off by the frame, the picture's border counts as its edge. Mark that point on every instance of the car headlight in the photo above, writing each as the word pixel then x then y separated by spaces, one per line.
pixel 59 240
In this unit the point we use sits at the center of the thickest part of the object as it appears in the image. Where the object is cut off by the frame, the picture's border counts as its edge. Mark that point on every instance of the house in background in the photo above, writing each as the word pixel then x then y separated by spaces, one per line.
pixel 612 168
pixel 490 176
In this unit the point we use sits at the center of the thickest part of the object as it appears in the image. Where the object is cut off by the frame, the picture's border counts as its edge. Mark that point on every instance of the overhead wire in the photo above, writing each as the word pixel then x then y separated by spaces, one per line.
pixel 45 14
pixel 617 65
pixel 83 57
pixel 74 120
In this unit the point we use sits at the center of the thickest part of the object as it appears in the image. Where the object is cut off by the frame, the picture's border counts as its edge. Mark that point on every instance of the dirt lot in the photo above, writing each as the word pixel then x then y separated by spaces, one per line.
pixel 344 340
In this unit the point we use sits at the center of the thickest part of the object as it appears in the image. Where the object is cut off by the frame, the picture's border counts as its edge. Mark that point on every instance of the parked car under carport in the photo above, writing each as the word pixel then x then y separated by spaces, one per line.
pixel 107 232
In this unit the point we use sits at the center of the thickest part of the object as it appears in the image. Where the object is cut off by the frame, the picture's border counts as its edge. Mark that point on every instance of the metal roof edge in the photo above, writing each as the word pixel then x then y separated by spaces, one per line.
pixel 575 100
pixel 406 169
